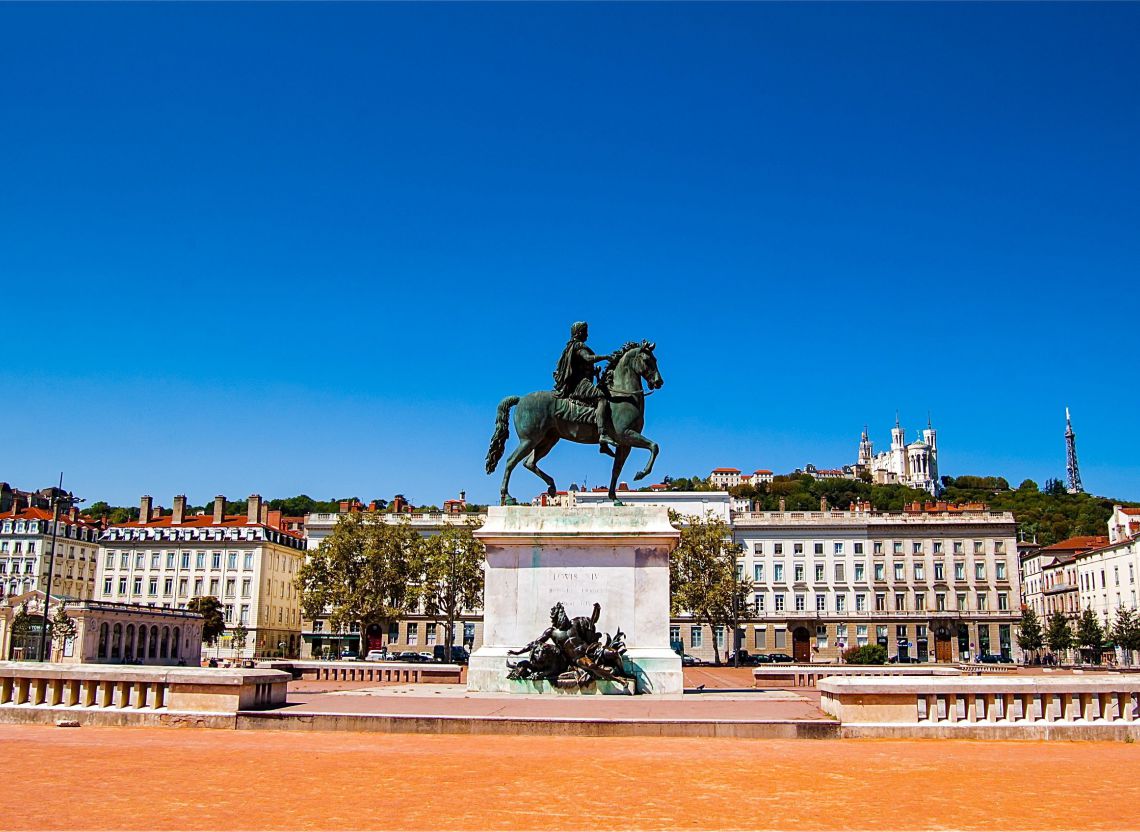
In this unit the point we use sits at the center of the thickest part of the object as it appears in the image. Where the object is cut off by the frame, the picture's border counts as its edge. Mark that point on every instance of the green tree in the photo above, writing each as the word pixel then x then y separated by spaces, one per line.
pixel 1028 486
pixel 363 572
pixel 63 627
pixel 22 624
pixel 238 637
pixel 1090 634
pixel 451 576
pixel 867 654
pixel 1059 634
pixel 1030 635
pixel 214 623
pixel 1125 632
pixel 703 576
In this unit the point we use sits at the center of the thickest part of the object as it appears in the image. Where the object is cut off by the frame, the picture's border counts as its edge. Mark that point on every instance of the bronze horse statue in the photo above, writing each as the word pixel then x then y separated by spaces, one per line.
pixel 542 419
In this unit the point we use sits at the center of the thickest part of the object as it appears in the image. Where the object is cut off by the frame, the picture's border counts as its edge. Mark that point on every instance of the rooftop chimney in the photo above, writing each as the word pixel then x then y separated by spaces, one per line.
pixel 219 509
pixel 463 496
pixel 144 509
pixel 73 513
pixel 263 514
pixel 179 510
pixel 253 512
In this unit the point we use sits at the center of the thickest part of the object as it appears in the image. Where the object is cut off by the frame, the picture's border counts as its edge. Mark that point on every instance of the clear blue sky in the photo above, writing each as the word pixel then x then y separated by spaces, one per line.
pixel 307 248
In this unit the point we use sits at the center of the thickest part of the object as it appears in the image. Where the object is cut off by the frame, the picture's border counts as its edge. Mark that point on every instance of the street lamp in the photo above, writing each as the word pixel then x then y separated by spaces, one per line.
pixel 57 500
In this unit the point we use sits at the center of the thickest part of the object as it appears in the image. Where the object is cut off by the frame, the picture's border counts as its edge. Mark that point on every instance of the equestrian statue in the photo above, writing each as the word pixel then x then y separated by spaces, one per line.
pixel 586 406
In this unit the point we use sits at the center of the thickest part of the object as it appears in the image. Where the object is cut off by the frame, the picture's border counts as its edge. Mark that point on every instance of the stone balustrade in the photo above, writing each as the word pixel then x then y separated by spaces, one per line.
pixel 981 668
pixel 53 691
pixel 438 674
pixel 808 675
pixel 1028 707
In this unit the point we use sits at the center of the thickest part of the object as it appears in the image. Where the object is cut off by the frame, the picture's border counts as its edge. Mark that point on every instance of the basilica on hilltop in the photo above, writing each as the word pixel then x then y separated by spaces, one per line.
pixel 914 465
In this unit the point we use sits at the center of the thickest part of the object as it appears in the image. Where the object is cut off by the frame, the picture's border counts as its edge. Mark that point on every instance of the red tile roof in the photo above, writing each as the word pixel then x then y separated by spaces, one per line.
pixel 1078 543
pixel 726 470
pixel 44 514
pixel 762 471
pixel 203 521
pixel 1134 511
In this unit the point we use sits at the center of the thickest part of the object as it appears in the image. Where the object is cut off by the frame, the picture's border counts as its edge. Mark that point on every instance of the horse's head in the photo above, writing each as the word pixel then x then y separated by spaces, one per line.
pixel 646 365
pixel 634 361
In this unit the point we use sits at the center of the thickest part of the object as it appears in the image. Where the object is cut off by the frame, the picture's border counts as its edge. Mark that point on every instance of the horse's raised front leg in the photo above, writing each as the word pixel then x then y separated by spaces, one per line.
pixel 621 454
pixel 524 448
pixel 636 440
pixel 531 463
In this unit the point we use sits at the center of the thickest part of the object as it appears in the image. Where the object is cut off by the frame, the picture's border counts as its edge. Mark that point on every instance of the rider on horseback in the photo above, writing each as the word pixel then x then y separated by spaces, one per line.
pixel 574 379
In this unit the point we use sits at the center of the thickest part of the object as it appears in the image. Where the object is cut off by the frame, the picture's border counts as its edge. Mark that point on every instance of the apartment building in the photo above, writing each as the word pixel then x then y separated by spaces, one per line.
pixel 25 553
pixel 248 563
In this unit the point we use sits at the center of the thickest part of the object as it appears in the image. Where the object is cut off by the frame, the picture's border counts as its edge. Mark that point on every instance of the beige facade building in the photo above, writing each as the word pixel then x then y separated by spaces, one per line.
pixel 25 552
pixel 249 565
pixel 934 583
pixel 1050 576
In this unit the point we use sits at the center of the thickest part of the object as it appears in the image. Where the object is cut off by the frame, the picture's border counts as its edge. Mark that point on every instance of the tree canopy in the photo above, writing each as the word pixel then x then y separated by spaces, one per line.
pixel 451 577
pixel 210 608
pixel 1059 633
pixel 362 572
pixel 703 576
pixel 1030 635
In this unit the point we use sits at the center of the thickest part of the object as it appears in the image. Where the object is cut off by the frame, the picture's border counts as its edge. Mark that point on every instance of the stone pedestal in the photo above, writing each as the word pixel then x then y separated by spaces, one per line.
pixel 617 556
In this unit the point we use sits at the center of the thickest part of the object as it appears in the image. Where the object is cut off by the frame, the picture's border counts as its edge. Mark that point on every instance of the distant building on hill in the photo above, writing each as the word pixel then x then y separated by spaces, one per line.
pixel 914 465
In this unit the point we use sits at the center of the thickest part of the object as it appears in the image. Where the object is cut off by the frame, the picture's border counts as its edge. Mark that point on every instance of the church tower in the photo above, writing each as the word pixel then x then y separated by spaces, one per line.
pixel 898 437
pixel 866 449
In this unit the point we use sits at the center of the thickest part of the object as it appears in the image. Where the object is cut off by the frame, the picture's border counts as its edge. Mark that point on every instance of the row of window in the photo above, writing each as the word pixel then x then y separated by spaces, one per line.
pixel 33 527
pixel 799 571
pixel 1088 579
pixel 433 634
pixel 168 587
pixel 880 600
pixel 878 547
pixel 183 561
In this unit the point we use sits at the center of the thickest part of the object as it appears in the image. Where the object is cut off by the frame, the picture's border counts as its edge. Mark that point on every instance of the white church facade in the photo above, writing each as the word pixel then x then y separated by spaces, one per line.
pixel 914 465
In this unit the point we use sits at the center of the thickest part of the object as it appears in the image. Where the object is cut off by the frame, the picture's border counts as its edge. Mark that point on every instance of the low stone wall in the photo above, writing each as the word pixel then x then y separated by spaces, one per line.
pixel 1016 707
pixel 808 675
pixel 436 674
pixel 118 695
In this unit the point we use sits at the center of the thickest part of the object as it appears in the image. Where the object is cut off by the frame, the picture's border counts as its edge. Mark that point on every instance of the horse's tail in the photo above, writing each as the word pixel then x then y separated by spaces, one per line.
pixel 502 431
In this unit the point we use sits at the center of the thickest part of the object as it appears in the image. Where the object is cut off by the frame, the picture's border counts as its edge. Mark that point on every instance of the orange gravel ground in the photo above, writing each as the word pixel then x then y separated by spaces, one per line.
pixel 163 778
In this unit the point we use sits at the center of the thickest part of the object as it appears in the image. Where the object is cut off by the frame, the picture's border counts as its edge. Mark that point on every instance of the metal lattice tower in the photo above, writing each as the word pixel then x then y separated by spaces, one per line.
pixel 1072 472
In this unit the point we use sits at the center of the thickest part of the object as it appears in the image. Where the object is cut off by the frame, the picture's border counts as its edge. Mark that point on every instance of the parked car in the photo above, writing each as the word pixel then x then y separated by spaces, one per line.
pixel 459 654
pixel 690 661
pixel 348 656
pixel 780 657
pixel 746 659
pixel 761 658
pixel 408 656
pixel 993 658
pixel 427 656
pixel 376 656
pixel 903 660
